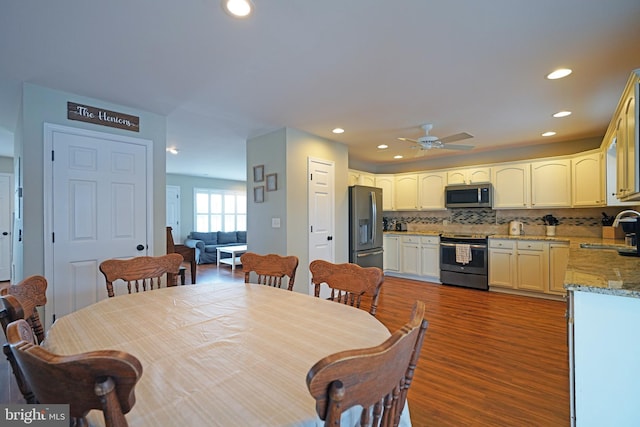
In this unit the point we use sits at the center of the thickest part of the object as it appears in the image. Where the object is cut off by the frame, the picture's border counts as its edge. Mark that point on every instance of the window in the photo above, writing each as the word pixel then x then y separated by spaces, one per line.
pixel 220 210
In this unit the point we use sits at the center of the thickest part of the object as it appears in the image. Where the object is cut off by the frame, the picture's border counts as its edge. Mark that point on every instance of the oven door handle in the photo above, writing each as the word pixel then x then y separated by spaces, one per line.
pixel 471 246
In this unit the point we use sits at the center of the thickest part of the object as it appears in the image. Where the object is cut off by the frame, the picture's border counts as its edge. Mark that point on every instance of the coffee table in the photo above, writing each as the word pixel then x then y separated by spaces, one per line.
pixel 234 251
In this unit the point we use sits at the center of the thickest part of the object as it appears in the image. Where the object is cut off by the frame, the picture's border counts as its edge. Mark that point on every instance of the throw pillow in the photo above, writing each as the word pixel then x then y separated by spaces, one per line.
pixel 225 237
pixel 207 238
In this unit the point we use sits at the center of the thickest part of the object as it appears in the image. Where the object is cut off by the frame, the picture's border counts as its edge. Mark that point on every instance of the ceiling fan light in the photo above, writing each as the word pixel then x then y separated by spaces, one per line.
pixel 559 73
pixel 238 8
pixel 562 114
pixel 338 130
pixel 549 133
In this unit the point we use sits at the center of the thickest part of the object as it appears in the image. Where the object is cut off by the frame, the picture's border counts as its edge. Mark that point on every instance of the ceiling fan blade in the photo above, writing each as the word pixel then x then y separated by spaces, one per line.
pixel 457 137
pixel 408 140
pixel 457 147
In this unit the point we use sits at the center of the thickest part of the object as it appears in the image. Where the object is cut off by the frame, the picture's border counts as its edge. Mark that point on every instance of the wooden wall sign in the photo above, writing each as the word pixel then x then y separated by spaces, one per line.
pixel 98 116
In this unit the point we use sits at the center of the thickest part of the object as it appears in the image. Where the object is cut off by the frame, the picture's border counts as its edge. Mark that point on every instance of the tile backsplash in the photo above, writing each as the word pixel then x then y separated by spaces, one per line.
pixel 585 222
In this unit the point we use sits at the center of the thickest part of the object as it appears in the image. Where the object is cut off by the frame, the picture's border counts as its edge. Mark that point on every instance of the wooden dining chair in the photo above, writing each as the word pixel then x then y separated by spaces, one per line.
pixel 11 311
pixel 142 273
pixel 375 378
pixel 271 269
pixel 30 293
pixel 348 282
pixel 103 380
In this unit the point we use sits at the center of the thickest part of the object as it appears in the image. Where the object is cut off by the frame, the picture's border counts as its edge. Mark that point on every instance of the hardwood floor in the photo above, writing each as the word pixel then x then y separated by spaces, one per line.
pixel 488 359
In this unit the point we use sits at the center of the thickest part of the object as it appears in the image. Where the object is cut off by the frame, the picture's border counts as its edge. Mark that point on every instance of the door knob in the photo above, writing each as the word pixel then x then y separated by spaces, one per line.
pixel 329 237
pixel 4 233
pixel 140 247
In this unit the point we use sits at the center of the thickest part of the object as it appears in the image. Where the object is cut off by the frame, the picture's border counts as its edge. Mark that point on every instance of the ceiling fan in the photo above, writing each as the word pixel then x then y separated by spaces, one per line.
pixel 427 142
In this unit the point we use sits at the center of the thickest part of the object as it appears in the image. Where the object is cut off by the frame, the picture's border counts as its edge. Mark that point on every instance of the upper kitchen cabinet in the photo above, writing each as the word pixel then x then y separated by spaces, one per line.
pixel 387 183
pixel 406 192
pixel 469 176
pixel 551 183
pixel 361 178
pixel 511 186
pixel 431 190
pixel 588 181
pixel 624 127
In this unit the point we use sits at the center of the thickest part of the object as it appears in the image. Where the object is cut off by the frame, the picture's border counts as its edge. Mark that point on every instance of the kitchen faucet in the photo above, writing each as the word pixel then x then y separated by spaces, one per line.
pixel 623 213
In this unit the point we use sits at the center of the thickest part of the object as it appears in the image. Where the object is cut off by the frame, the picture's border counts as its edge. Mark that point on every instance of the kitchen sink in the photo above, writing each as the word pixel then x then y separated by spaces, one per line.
pixel 601 246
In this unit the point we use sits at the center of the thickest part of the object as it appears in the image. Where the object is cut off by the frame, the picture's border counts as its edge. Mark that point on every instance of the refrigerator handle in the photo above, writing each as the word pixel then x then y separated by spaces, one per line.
pixel 374 216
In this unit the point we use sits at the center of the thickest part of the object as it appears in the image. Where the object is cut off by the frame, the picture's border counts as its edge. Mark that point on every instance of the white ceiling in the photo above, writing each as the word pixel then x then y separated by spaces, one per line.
pixel 377 68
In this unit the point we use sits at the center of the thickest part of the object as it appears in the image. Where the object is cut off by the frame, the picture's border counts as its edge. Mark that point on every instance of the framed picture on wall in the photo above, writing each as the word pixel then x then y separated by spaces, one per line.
pixel 258 194
pixel 272 182
pixel 258 173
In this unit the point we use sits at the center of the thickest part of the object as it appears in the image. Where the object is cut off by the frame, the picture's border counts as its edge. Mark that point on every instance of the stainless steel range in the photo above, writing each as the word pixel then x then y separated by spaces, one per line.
pixel 464 260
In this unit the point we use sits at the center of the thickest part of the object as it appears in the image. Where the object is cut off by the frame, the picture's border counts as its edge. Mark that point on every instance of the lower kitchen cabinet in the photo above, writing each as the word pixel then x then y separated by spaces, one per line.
pixel 558 258
pixel 412 256
pixel 536 267
pixel 430 256
pixel 502 263
pixel 533 265
pixel 391 253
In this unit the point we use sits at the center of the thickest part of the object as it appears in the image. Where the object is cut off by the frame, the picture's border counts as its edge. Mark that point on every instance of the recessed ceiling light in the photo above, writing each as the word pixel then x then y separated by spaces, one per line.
pixel 338 130
pixel 383 146
pixel 398 156
pixel 172 150
pixel 559 73
pixel 562 114
pixel 238 8
pixel 550 133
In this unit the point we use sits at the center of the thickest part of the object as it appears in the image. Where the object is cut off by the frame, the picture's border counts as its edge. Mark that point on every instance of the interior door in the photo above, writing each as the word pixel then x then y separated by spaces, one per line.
pixel 5 226
pixel 321 212
pixel 99 210
pixel 173 211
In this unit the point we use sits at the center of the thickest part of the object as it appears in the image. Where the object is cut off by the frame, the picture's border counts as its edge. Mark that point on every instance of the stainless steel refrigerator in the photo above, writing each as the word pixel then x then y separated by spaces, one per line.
pixel 365 226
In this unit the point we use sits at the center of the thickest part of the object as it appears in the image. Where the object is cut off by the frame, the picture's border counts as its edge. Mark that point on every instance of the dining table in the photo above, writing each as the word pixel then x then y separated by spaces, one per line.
pixel 222 354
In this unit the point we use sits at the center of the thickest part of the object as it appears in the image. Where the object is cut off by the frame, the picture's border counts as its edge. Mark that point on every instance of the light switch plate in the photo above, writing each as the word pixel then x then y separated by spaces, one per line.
pixel 275 222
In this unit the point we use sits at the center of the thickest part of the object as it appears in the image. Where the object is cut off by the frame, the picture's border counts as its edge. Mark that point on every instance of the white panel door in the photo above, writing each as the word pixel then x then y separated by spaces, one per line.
pixel 321 213
pixel 5 226
pixel 99 210
pixel 173 211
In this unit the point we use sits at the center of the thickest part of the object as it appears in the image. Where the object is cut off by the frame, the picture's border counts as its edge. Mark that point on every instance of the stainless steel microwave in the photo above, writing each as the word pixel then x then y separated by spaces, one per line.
pixel 469 196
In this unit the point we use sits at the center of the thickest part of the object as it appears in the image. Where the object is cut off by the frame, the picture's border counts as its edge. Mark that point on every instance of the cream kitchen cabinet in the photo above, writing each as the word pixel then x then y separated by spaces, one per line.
pixel 387 183
pixel 532 258
pixel 558 258
pixel 430 257
pixel 410 255
pixel 511 186
pixel 551 183
pixel 527 265
pixel 406 192
pixel 391 252
pixel 625 125
pixel 361 178
pixel 502 263
pixel 431 190
pixel 469 176
pixel 587 180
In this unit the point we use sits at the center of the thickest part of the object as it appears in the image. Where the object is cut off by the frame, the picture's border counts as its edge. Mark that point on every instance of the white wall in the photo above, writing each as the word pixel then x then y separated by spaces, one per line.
pixel 286 152
pixel 40 105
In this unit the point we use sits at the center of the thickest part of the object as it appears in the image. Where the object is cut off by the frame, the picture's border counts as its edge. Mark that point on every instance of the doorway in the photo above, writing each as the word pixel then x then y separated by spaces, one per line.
pixel 321 213
pixel 6 214
pixel 97 206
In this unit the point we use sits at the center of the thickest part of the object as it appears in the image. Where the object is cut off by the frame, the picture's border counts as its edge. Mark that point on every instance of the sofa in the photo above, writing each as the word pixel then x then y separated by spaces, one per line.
pixel 207 243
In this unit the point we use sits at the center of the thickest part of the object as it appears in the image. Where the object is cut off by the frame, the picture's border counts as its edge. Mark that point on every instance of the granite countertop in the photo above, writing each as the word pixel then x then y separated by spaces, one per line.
pixel 603 271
